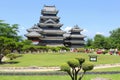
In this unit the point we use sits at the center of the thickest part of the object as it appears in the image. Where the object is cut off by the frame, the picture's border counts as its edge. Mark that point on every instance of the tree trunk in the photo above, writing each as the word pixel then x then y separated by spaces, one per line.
pixel 80 78
pixel 1 56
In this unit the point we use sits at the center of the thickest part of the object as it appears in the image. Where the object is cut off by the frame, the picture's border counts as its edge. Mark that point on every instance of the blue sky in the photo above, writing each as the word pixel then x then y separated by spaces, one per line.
pixel 94 16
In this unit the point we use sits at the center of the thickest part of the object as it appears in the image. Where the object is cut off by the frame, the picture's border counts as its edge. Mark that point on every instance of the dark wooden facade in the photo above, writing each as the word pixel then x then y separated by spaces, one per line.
pixel 48 31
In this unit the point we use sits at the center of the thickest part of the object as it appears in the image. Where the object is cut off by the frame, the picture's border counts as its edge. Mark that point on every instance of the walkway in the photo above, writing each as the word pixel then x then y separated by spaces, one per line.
pixel 43 69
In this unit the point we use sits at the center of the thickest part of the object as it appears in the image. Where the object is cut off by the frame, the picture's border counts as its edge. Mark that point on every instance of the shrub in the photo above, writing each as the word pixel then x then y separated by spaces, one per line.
pixel 81 60
pixel 6 51
pixel 74 66
pixel 81 50
pixel 11 56
pixel 87 66
pixel 73 63
pixel 105 52
pixel 65 67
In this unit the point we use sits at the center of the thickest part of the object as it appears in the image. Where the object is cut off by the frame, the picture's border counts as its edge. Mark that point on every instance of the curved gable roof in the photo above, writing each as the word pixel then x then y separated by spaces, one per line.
pixel 50 21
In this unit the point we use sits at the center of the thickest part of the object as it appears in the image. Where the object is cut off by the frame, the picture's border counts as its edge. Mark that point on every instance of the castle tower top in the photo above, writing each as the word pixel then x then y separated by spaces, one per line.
pixel 49 10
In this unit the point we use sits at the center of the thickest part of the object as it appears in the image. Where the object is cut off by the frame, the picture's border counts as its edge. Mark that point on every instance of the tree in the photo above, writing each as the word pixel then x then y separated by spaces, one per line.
pixel 6 44
pixel 73 67
pixel 99 41
pixel 115 38
pixel 9 39
pixel 27 42
pixel 9 31
pixel 89 43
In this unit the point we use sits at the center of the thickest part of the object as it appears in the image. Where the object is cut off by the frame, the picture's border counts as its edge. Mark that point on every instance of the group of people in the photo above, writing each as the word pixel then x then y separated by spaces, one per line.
pixel 103 51
pixel 98 51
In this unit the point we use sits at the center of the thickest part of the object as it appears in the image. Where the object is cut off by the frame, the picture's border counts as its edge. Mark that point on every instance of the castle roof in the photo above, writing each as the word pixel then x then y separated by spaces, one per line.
pixel 34 28
pixel 49 8
pixel 76 29
pixel 33 34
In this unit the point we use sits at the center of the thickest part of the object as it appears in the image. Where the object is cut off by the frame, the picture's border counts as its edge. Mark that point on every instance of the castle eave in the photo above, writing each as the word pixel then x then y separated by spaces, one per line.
pixel 50 17
pixel 32 30
pixel 53 32
pixel 53 38
pixel 49 24
pixel 33 34
pixel 75 41
pixel 77 36
pixel 48 12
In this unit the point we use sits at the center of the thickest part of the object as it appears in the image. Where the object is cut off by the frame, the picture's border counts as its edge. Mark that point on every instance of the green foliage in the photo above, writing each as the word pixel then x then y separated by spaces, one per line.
pixel 33 48
pixel 8 38
pixel 9 31
pixel 27 42
pixel 89 43
pixel 65 67
pixel 6 51
pixel 81 50
pixel 81 60
pixel 115 38
pixel 105 52
pixel 55 49
pixel 87 66
pixel 64 48
pixel 11 56
pixel 99 41
pixel 74 66
pixel 6 43
pixel 73 63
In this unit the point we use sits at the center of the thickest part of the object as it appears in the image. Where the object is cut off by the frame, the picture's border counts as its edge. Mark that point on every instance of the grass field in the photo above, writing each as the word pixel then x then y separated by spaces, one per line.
pixel 86 77
pixel 56 59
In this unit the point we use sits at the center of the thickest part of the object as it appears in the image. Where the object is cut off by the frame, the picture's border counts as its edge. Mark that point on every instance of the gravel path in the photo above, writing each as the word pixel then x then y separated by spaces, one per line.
pixel 43 69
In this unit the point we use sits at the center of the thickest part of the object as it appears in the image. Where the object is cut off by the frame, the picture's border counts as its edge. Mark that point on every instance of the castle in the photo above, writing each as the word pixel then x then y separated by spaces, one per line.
pixel 48 31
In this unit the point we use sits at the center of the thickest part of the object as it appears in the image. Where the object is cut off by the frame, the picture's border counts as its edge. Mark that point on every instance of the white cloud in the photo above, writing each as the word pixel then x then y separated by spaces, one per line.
pixel 67 28
pixel 85 31
pixel 100 33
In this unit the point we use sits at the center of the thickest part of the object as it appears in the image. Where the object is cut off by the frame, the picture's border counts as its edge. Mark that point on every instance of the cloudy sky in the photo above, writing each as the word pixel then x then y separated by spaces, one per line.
pixel 94 16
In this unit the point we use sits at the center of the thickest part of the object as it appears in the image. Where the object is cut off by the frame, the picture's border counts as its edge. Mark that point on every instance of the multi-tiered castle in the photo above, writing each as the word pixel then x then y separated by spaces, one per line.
pixel 48 31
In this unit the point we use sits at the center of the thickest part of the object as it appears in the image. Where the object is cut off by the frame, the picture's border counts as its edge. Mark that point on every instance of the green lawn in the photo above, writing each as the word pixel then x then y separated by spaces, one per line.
pixel 86 77
pixel 56 59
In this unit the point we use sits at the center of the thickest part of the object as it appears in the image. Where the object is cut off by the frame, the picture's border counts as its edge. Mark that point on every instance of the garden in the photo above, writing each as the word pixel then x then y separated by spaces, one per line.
pixel 17 52
pixel 56 60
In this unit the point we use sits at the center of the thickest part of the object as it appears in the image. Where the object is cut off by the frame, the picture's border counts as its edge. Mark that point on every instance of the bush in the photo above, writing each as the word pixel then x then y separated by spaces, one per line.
pixel 65 67
pixel 81 50
pixel 87 66
pixel 11 56
pixel 7 51
pixel 73 63
pixel 105 52
pixel 72 67
pixel 81 60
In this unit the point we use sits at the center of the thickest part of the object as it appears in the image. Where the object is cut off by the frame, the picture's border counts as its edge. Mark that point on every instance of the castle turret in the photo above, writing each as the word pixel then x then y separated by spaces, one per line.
pixel 74 38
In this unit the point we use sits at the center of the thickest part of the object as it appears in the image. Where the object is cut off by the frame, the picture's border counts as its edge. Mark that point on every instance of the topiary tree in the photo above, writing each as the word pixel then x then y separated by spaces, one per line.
pixel 73 67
